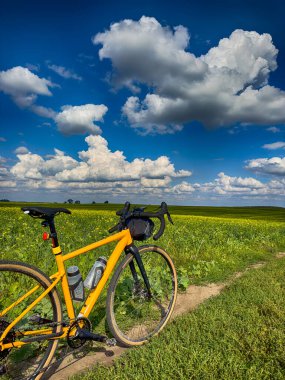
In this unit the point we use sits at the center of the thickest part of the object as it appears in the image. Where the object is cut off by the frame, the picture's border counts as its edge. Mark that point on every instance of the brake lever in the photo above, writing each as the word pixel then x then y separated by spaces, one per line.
pixel 169 217
pixel 124 210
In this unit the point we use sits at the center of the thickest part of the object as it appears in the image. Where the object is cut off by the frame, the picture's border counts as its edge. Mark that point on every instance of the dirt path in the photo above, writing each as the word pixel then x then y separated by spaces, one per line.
pixel 187 301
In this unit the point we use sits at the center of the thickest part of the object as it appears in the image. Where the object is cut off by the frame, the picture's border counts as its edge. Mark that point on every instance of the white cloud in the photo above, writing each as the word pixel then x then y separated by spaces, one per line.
pixel 182 188
pixel 2 139
pixel 227 85
pixel 8 184
pixel 64 72
pixel 21 150
pixel 226 184
pixel 155 183
pixel 273 166
pixel 33 166
pixel 43 111
pixel 23 85
pixel 80 119
pixel 98 171
pixel 273 129
pixel 99 163
pixel 243 188
pixel 141 50
pixel 273 146
pixel 101 170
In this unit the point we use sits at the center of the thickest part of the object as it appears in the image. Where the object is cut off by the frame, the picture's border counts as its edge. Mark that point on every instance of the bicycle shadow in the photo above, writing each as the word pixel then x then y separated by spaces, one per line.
pixel 72 361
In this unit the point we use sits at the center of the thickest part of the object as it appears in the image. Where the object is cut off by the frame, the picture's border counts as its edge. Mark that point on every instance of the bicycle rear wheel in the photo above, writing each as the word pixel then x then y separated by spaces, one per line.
pixel 134 317
pixel 31 360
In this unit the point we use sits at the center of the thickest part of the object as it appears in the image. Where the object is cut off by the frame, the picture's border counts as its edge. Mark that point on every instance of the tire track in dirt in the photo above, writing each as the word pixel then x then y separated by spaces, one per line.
pixel 195 295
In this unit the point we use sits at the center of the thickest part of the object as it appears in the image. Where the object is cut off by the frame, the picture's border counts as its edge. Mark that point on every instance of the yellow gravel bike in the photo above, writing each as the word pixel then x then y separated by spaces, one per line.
pixel 140 298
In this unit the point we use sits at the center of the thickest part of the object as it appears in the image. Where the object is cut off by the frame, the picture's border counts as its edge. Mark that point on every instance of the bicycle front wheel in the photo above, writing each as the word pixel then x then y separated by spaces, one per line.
pixel 20 285
pixel 132 315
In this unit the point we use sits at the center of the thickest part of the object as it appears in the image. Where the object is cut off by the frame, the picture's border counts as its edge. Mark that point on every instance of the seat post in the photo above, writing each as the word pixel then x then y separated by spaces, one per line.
pixel 53 233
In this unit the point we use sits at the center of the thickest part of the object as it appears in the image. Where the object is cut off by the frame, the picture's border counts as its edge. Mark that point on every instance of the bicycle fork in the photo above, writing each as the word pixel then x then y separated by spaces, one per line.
pixel 135 252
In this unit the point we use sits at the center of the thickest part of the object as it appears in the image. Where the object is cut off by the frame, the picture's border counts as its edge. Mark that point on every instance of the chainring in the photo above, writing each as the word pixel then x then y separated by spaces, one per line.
pixel 10 338
pixel 80 323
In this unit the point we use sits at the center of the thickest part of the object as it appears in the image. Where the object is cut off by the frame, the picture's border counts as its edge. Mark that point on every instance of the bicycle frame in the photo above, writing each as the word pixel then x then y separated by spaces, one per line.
pixel 124 239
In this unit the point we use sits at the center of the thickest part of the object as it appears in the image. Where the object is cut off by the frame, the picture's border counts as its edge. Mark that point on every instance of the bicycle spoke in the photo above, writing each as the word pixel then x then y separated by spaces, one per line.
pixel 24 361
pixel 138 315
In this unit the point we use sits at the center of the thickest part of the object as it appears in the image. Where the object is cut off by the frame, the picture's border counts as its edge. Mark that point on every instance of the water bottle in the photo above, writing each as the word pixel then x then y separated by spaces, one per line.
pixel 95 273
pixel 75 283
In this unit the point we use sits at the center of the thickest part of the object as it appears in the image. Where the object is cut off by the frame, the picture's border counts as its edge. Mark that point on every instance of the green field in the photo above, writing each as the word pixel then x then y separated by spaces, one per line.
pixel 204 248
pixel 207 244
pixel 238 335
pixel 255 213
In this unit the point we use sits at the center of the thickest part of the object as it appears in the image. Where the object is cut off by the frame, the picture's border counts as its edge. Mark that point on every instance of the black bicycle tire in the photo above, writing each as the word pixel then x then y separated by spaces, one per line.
pixel 45 282
pixel 111 291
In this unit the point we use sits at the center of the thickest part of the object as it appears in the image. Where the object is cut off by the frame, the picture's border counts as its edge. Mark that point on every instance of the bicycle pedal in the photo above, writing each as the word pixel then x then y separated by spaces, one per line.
pixel 111 342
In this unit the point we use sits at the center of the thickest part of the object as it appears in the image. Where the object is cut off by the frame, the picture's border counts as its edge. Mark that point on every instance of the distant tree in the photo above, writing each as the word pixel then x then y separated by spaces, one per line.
pixel 70 201
pixel 94 203
pixel 106 202
pixel 77 202
pixel 4 200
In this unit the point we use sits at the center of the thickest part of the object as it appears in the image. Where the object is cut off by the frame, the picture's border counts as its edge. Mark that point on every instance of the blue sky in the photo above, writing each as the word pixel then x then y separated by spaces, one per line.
pixel 193 94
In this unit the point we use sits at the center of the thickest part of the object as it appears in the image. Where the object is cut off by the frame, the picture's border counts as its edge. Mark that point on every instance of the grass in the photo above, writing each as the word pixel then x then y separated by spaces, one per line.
pixel 237 335
pixel 256 213
pixel 205 248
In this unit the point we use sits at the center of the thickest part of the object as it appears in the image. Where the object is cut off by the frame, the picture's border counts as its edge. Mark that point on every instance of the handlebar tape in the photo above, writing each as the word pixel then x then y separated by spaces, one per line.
pixel 161 229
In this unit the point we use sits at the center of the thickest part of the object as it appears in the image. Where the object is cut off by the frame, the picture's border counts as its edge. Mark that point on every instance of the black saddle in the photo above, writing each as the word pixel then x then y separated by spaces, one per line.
pixel 44 212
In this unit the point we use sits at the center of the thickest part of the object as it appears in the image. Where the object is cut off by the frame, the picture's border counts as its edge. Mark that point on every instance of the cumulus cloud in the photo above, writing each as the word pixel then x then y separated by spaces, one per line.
pixel 24 87
pixel 21 150
pixel 64 72
pixel 80 119
pixel 227 85
pixel 33 166
pixel 99 163
pixel 226 184
pixel 273 166
pixel 98 168
pixel 100 171
pixel 274 146
pixel 181 188
pixel 242 187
